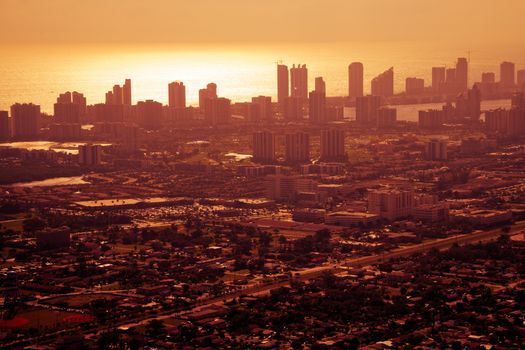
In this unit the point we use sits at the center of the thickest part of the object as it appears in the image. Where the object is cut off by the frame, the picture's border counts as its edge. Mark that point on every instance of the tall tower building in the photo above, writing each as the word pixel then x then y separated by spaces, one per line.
pixel 436 149
pixel 80 100
pixel 126 92
pixel 462 74
pixel 438 78
pixel 5 132
pixel 521 80
pixel 414 86
pixel 177 94
pixel 26 120
pixel 283 89
pixel 210 92
pixel 293 108
pixel 383 84
pixel 366 108
pixel 217 111
pixel 299 82
pixel 317 102
pixel 117 95
pixel 150 115
pixel 355 80
pixel 263 147
pixel 507 75
pixel 66 113
pixel 297 148
pixel 333 145
pixel 261 109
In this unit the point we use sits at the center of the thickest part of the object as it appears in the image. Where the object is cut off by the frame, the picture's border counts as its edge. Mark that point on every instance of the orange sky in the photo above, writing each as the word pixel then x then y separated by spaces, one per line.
pixel 193 21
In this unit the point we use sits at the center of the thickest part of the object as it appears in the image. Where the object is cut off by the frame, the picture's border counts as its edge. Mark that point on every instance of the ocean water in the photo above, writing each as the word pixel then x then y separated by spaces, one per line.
pixel 39 73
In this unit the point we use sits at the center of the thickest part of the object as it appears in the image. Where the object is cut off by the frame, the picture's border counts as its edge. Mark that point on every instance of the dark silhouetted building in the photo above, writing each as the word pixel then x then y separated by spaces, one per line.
pixel 263 147
pixel 217 111
pixel 149 114
pixel 177 95
pixel 126 92
pixel 462 74
pixel 386 117
pixel 355 80
pixel 383 84
pixel 210 92
pixel 507 75
pixel 488 77
pixel 333 145
pixel 431 119
pixel 506 122
pixel 414 86
pixel 293 108
pixel 299 82
pixel 317 102
pixel 521 80
pixel 5 130
pixel 260 109
pixel 438 78
pixel 366 108
pixel 89 154
pixel 26 120
pixel 436 149
pixel 297 148
pixel 283 87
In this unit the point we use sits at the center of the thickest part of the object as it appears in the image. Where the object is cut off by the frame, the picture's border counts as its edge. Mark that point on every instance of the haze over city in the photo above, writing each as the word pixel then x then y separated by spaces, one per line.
pixel 269 175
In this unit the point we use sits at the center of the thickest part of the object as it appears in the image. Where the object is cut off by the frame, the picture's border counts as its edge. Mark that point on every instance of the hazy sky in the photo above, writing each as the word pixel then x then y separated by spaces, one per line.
pixel 172 21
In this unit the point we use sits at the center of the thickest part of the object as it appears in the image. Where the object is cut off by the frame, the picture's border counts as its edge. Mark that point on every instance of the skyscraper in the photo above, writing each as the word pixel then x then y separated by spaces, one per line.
pixel 177 94
pixel 507 75
pixel 462 74
pixel 333 145
pixel 261 109
pixel 355 80
pixel 263 147
pixel 26 120
pixel 66 113
pixel 383 84
pixel 5 132
pixel 217 111
pixel 366 108
pixel 117 95
pixel 149 114
pixel 283 89
pixel 126 92
pixel 299 82
pixel 317 102
pixel 293 108
pixel 210 92
pixel 297 148
pixel 80 100
pixel 438 78
pixel 414 86
pixel 521 79
pixel 436 149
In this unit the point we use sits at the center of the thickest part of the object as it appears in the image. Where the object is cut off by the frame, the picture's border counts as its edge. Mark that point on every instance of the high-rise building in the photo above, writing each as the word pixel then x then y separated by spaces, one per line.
pixel 283 88
pixel 518 100
pixel 217 111
pixel 521 79
pixel 210 92
pixel 462 74
pixel 391 203
pixel 293 108
pixel 260 109
pixel 317 102
pixel 26 120
pixel 177 94
pixel 414 86
pixel 80 100
pixel 263 147
pixel 508 122
pixel 299 82
pixel 355 80
pixel 488 77
pixel 507 75
pixel 320 85
pixel 333 145
pixel 438 78
pixel 149 114
pixel 66 113
pixel 474 103
pixel 383 84
pixel 431 119
pixel 386 117
pixel 436 149
pixel 117 95
pixel 89 154
pixel 5 131
pixel 126 92
pixel 297 148
pixel 366 108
